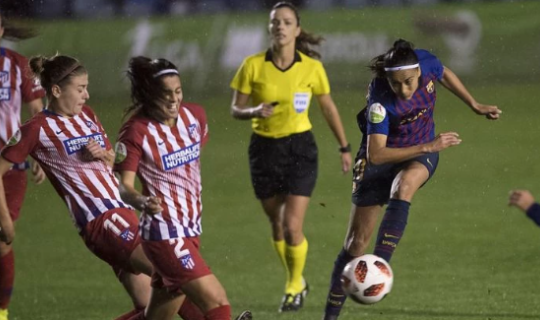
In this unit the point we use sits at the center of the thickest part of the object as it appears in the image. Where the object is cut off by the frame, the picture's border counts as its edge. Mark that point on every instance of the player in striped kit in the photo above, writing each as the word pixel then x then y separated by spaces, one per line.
pixel 15 89
pixel 161 144
pixel 399 151
pixel 69 143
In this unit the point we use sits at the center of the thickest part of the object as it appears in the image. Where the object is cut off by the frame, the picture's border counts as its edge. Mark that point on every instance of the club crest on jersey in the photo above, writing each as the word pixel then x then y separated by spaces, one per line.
pixel 121 152
pixel 187 261
pixel 430 87
pixel 75 144
pixel 193 132
pixel 4 77
pixel 92 126
pixel 15 138
pixel 181 157
pixel 377 113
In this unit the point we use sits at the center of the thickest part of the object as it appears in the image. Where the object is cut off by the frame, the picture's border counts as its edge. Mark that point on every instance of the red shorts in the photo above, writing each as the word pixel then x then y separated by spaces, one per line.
pixel 113 236
pixel 15 187
pixel 176 262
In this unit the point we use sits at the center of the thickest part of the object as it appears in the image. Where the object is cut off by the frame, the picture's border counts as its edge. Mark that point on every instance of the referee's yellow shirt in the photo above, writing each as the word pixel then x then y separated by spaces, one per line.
pixel 292 88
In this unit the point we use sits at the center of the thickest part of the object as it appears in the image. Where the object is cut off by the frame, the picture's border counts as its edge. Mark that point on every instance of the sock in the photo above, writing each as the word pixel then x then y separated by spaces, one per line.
pixel 138 315
pixel 336 296
pixel 279 246
pixel 296 260
pixel 189 311
pixel 7 277
pixel 3 314
pixel 391 228
pixel 219 313
pixel 130 314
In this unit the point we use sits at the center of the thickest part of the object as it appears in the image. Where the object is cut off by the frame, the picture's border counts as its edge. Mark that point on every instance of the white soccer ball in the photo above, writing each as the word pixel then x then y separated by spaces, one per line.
pixel 367 279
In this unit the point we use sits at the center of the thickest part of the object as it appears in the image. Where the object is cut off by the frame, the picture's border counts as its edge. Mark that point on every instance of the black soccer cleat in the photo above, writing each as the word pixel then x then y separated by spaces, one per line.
pixel 245 315
pixel 294 302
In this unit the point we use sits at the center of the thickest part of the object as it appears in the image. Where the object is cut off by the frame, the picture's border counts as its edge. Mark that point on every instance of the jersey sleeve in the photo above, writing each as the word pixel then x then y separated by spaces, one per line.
pixel 22 143
pixel 128 148
pixel 376 114
pixel 430 63
pixel 534 213
pixel 243 78
pixel 30 87
pixel 199 113
pixel 321 83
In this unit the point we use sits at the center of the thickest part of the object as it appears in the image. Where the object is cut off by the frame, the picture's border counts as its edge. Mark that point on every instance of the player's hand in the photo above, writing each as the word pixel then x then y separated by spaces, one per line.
pixel 264 110
pixel 152 205
pixel 346 161
pixel 37 172
pixel 521 199
pixel 7 229
pixel 444 140
pixel 93 151
pixel 491 112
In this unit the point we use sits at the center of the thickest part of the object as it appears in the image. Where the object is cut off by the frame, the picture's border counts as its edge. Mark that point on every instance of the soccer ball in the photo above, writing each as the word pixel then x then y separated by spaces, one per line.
pixel 367 279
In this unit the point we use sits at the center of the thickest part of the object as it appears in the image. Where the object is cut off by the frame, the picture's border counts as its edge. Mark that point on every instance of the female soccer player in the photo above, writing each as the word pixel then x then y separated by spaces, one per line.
pixel 161 144
pixel 69 143
pixel 282 154
pixel 399 151
pixel 15 88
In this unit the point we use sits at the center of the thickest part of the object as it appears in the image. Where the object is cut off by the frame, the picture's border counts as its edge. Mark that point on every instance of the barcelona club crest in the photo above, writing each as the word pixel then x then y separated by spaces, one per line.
pixel 430 87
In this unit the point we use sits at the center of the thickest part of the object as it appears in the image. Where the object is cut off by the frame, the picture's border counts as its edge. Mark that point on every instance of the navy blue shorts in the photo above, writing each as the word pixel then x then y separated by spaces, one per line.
pixel 286 166
pixel 372 183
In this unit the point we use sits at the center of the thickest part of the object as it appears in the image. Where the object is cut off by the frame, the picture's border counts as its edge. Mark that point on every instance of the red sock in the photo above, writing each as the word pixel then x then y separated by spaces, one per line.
pixel 138 316
pixel 189 311
pixel 129 315
pixel 7 276
pixel 219 313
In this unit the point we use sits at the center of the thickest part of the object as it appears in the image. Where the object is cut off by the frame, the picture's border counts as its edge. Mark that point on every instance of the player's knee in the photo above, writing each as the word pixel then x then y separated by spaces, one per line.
pixel 402 189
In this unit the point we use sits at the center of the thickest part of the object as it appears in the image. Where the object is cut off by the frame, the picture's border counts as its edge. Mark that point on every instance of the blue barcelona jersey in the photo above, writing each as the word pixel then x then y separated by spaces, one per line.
pixel 405 122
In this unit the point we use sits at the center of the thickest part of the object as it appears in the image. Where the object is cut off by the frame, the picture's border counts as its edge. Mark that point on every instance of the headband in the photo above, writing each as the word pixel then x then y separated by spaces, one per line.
pixel 165 71
pixel 411 66
pixel 67 72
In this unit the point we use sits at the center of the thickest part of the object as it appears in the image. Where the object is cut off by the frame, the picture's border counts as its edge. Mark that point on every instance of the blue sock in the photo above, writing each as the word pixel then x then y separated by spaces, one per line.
pixel 392 228
pixel 336 296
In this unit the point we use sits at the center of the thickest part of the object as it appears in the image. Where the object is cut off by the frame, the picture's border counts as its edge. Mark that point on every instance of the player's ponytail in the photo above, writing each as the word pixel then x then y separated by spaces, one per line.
pixel 56 70
pixel 305 40
pixel 146 87
pixel 401 54
pixel 15 32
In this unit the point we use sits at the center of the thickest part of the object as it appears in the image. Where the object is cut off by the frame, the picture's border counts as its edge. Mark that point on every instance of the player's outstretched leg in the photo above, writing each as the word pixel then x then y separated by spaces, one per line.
pixel 7 277
pixel 392 228
pixel 336 296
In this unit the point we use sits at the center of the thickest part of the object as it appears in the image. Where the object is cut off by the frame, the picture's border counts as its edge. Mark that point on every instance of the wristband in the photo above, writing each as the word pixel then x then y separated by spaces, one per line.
pixel 345 149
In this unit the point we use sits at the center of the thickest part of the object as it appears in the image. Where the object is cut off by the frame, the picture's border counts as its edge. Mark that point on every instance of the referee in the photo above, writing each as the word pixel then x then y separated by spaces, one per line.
pixel 274 89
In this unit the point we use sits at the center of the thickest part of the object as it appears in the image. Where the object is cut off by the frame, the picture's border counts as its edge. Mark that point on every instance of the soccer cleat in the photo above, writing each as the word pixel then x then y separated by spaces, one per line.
pixel 3 314
pixel 294 302
pixel 245 315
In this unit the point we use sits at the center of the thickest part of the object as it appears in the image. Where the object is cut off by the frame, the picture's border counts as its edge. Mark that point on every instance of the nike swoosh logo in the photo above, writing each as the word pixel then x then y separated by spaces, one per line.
pixel 429 163
pixel 386 235
pixel 60 131
pixel 160 142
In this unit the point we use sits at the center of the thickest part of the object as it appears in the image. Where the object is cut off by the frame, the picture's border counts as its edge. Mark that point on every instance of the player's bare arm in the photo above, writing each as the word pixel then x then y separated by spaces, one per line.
pixel 452 82
pixel 333 119
pixel 378 153
pixel 7 229
pixel 241 111
pixel 128 193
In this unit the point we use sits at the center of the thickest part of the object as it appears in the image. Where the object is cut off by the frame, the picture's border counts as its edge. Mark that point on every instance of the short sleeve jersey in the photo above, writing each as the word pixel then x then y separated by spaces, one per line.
pixel 89 188
pixel 292 88
pixel 167 162
pixel 406 123
pixel 16 87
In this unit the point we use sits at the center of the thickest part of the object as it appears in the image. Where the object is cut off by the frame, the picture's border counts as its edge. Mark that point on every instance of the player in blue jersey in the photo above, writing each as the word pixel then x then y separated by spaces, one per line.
pixel 524 200
pixel 399 151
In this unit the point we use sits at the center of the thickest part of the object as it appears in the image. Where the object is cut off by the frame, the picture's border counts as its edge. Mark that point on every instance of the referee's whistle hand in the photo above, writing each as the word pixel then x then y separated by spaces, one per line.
pixel 264 110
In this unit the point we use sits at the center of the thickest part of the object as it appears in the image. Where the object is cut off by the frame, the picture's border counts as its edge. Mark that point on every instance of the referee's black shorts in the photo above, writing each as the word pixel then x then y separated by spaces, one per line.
pixel 283 166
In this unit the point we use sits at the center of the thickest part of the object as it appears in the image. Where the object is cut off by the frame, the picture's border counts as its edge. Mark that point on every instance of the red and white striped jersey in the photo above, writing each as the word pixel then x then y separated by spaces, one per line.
pixel 166 160
pixel 89 188
pixel 16 87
